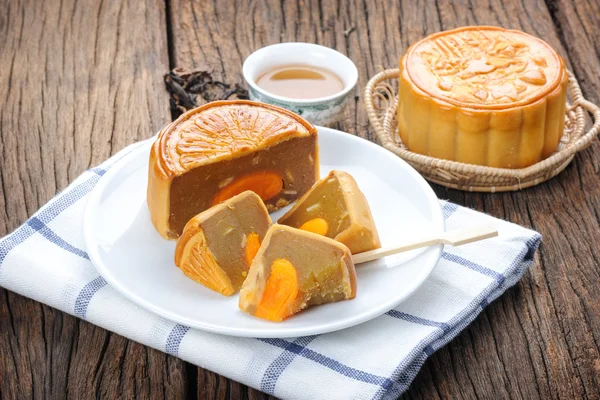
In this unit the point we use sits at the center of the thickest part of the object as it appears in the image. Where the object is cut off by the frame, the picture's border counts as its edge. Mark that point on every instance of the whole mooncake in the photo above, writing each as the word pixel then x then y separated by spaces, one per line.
pixel 482 95
pixel 296 269
pixel 218 245
pixel 224 148
pixel 335 207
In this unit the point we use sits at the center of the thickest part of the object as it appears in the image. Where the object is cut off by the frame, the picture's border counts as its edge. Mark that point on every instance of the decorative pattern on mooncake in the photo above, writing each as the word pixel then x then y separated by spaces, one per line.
pixel 222 149
pixel 482 95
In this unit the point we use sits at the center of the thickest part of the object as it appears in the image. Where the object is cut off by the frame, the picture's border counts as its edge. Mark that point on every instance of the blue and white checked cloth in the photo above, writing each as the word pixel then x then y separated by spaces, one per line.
pixel 45 259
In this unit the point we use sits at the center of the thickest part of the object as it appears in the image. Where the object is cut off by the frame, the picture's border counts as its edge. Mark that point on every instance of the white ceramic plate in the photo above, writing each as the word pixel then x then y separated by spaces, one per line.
pixel 138 262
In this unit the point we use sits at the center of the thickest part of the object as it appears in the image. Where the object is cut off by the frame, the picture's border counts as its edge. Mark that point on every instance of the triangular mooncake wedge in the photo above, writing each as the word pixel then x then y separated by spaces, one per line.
pixel 217 246
pixel 335 207
pixel 296 269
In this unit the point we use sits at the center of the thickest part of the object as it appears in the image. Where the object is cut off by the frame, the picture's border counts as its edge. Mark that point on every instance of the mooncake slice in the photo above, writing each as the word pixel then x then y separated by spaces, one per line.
pixel 295 269
pixel 335 207
pixel 223 148
pixel 218 245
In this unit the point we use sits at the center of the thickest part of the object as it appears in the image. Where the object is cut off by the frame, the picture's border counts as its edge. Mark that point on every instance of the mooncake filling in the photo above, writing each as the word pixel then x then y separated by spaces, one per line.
pixel 323 270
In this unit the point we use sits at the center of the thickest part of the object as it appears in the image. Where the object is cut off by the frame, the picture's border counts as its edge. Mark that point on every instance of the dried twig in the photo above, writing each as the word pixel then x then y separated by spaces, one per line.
pixel 184 88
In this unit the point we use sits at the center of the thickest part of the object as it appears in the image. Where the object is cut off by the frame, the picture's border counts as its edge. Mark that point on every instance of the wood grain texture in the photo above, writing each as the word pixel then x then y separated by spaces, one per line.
pixel 78 82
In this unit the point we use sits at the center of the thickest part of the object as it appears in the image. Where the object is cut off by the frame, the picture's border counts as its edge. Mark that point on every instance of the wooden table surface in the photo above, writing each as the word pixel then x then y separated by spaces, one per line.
pixel 79 80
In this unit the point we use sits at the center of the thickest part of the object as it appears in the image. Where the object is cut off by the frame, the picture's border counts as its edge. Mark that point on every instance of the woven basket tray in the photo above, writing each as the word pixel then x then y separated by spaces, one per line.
pixel 382 100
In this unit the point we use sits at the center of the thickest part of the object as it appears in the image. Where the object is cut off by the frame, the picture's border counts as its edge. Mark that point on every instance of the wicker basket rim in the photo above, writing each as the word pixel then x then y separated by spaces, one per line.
pixel 484 178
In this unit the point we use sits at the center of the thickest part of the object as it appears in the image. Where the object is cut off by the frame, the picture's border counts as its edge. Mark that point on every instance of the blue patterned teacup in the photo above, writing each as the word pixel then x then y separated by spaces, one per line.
pixel 319 111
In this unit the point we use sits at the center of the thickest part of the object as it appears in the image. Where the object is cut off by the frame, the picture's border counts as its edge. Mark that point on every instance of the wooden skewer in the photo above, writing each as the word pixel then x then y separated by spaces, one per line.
pixel 455 238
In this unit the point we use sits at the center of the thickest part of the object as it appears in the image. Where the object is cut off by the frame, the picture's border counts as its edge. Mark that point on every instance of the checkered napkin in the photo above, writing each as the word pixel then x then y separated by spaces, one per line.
pixel 45 259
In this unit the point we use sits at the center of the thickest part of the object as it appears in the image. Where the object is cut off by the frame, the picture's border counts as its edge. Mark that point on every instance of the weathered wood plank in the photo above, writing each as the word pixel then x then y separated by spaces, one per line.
pixel 540 339
pixel 79 80
pixel 577 28
pixel 213 386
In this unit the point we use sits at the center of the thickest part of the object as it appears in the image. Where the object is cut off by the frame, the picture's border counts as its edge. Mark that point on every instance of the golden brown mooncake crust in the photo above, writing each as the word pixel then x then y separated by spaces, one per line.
pixel 217 132
pixel 484 67
pixel 482 95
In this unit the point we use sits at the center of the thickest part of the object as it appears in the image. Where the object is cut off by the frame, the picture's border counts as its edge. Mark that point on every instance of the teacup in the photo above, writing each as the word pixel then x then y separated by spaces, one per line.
pixel 319 111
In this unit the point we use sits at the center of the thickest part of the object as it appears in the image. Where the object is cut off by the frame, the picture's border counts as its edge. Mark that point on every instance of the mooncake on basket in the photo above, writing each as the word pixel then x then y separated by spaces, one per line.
pixel 482 95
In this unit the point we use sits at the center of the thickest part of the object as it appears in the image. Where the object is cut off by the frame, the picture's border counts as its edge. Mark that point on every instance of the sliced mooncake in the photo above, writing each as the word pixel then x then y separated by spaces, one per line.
pixel 217 246
pixel 296 269
pixel 224 148
pixel 335 207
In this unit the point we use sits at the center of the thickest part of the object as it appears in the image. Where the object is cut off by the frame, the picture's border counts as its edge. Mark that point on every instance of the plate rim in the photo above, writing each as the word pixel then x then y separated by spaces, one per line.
pixel 432 254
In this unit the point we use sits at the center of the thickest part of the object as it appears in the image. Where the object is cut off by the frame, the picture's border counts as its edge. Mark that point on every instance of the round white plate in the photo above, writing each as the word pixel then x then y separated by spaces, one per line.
pixel 138 262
